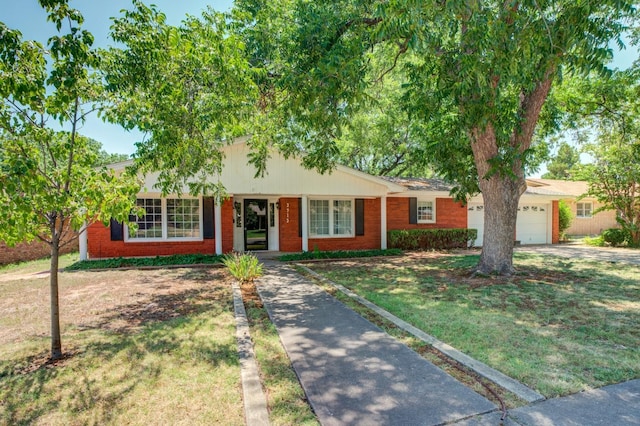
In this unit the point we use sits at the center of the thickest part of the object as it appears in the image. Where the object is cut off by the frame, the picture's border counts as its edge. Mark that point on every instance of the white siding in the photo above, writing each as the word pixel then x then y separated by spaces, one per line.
pixel 287 176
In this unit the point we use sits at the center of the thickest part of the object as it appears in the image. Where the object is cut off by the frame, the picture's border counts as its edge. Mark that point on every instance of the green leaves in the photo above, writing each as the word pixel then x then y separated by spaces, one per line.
pixel 188 88
pixel 48 179
pixel 603 111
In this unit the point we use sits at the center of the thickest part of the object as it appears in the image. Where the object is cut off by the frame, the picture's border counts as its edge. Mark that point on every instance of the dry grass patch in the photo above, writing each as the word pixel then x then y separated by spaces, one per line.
pixel 560 326
pixel 143 347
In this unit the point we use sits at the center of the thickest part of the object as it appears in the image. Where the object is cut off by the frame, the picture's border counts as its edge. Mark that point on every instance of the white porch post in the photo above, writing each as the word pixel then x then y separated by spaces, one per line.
pixel 83 243
pixel 305 227
pixel 217 225
pixel 383 223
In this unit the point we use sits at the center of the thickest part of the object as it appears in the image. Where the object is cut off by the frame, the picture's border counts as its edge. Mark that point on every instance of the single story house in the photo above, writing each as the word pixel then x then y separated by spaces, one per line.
pixel 585 221
pixel 292 209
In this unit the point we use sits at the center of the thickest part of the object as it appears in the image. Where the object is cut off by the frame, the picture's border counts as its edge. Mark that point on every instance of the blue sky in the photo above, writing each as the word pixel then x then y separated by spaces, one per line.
pixel 28 17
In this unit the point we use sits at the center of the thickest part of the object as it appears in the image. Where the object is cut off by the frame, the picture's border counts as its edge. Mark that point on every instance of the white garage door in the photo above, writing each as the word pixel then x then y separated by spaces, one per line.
pixel 531 226
pixel 475 220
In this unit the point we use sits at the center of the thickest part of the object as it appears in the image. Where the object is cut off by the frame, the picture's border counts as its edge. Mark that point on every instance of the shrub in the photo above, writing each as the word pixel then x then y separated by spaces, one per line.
pixel 133 262
pixel 432 239
pixel 339 254
pixel 595 241
pixel 566 217
pixel 243 267
pixel 615 236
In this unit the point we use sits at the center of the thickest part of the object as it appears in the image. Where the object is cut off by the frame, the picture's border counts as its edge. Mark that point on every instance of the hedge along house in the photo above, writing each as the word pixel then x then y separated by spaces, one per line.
pixel 290 209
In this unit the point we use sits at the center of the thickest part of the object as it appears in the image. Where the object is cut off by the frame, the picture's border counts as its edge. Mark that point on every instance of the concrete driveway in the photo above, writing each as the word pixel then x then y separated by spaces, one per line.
pixel 579 251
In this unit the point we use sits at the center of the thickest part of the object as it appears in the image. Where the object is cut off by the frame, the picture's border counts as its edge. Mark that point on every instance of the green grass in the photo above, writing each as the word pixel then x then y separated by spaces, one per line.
pixel 257 233
pixel 561 327
pixel 39 265
pixel 340 254
pixel 120 262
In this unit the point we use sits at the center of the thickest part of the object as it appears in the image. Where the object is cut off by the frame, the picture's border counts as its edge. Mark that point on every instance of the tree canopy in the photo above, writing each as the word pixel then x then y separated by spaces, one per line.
pixel 562 165
pixel 49 185
pixel 475 77
pixel 604 113
pixel 188 88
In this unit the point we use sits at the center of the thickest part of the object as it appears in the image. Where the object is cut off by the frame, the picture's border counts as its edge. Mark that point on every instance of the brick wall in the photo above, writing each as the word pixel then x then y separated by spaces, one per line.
pixel 555 225
pixel 593 225
pixel 449 214
pixel 370 239
pixel 290 240
pixel 100 246
pixel 227 226
pixel 31 251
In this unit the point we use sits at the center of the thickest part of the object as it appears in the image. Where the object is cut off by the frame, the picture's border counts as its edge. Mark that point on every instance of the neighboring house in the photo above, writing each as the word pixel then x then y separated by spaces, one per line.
pixel 34 250
pixel 293 209
pixel 585 221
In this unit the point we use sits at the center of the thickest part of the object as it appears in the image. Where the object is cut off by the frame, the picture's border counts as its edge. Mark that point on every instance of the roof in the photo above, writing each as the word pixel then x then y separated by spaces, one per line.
pixel 538 187
pixel 558 187
pixel 420 184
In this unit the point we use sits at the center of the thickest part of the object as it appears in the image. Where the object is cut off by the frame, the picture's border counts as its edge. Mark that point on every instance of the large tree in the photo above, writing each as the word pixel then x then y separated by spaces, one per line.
pixel 49 186
pixel 477 71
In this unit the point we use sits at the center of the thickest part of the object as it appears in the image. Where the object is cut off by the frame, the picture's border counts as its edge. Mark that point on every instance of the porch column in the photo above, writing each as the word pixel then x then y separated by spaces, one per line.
pixel 83 242
pixel 383 222
pixel 304 224
pixel 217 225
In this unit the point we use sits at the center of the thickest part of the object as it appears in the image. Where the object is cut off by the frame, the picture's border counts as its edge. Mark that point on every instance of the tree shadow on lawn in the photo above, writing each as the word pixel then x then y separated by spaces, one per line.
pixel 122 350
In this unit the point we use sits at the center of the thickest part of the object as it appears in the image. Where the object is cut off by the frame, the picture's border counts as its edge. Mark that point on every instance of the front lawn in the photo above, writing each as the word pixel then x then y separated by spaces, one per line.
pixel 560 326
pixel 152 347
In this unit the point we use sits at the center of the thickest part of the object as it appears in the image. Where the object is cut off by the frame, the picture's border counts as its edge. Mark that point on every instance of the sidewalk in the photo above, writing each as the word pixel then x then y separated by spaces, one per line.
pixel 354 373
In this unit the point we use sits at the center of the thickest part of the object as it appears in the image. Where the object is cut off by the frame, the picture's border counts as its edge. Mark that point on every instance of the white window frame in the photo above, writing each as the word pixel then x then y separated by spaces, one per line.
pixel 165 231
pixel 331 218
pixel 433 210
pixel 583 216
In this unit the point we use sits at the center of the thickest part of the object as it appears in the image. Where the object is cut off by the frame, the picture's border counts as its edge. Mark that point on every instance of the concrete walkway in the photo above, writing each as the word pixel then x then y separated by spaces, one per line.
pixel 355 374
pixel 352 372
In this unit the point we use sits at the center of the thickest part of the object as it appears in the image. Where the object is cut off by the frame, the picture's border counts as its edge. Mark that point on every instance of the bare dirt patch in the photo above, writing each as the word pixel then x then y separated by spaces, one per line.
pixel 121 301
pixel 140 347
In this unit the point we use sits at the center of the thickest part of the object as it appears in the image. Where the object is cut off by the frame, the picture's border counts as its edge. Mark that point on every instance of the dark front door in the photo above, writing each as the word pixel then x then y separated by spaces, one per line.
pixel 256 225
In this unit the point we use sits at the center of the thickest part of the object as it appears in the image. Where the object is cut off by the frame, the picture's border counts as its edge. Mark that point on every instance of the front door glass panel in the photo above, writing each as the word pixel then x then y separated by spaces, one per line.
pixel 255 225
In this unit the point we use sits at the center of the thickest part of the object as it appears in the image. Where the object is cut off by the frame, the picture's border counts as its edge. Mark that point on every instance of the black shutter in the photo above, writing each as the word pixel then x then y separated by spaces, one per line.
pixel 413 210
pixel 207 218
pixel 359 216
pixel 117 230
pixel 300 217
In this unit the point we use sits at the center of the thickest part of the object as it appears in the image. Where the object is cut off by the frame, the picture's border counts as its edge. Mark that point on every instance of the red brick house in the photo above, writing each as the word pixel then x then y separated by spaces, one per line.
pixel 293 209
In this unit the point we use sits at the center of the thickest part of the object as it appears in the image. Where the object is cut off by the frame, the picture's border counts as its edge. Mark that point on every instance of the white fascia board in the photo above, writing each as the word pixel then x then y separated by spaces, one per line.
pixel 419 194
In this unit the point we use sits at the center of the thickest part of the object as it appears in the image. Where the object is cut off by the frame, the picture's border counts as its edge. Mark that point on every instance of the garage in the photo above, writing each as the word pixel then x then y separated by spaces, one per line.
pixel 532 226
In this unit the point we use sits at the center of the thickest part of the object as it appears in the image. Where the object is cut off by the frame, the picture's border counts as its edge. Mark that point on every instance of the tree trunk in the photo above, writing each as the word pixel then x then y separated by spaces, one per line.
pixel 501 190
pixel 56 341
pixel 501 197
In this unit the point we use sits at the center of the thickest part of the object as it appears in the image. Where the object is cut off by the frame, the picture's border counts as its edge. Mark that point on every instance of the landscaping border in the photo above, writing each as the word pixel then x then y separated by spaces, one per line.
pixel 255 401
pixel 480 368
